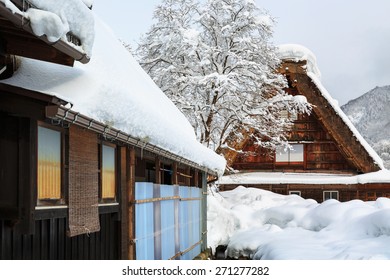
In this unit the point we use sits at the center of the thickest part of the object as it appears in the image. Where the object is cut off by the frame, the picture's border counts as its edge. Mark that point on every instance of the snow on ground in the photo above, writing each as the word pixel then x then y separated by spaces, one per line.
pixel 264 225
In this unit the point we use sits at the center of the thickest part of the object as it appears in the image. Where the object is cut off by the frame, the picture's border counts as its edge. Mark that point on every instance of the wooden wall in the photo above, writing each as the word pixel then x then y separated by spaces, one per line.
pixel 50 242
pixel 321 151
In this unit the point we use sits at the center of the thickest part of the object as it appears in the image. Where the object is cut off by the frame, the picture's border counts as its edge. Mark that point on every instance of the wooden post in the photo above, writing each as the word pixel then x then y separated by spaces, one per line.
pixel 175 179
pixel 188 179
pixel 204 211
pixel 124 204
pixel 196 179
pixel 130 198
pixel 158 170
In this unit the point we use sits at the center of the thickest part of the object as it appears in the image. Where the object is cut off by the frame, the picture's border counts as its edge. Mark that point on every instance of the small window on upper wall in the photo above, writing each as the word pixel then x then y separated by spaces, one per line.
pixel 331 195
pixel 294 154
pixel 49 164
pixel 286 114
pixel 108 173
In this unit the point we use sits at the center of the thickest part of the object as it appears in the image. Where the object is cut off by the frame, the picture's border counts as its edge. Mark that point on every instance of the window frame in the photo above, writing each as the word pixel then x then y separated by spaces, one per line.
pixel 330 192
pixel 288 153
pixel 106 200
pixel 285 114
pixel 64 163
pixel 299 193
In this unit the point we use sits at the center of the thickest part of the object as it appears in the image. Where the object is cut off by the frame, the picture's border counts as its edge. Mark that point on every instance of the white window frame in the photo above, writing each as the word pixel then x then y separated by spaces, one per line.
pixel 284 155
pixel 299 193
pixel 286 114
pixel 330 194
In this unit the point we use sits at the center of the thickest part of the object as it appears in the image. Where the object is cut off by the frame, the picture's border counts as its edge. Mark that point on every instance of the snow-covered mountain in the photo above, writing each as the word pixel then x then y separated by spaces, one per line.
pixel 370 113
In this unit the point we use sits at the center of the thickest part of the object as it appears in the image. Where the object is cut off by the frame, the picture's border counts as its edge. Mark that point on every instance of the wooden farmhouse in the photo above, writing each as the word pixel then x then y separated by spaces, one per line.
pixel 95 161
pixel 328 157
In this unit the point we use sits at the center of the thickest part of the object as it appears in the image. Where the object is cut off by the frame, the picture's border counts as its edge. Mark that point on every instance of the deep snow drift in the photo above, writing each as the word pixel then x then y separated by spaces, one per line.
pixel 264 225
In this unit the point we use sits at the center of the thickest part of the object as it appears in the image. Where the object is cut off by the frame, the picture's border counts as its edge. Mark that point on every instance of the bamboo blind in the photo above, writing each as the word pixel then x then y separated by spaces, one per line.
pixel 83 182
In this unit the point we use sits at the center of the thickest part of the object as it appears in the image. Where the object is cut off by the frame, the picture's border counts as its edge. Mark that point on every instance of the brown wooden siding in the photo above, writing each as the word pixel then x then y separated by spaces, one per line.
pixel 321 151
pixel 50 242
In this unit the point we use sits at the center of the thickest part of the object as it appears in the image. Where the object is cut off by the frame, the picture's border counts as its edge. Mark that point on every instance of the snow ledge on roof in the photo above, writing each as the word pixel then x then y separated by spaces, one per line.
pixel 297 53
pixel 382 176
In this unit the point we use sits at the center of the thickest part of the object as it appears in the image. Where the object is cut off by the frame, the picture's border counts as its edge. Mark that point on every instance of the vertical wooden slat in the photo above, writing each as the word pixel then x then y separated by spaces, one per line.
pixel 61 238
pixel 53 235
pixel 158 171
pixel 124 230
pixel 26 247
pixel 43 239
pixel 204 211
pixel 2 240
pixel 175 179
pixel 7 246
pixel 131 207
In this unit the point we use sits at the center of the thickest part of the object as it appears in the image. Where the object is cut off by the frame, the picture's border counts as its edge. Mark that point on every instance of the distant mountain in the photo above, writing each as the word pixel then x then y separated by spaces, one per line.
pixel 370 113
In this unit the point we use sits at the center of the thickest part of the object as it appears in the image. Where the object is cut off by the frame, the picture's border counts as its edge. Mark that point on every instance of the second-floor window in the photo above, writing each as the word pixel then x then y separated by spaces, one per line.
pixel 290 155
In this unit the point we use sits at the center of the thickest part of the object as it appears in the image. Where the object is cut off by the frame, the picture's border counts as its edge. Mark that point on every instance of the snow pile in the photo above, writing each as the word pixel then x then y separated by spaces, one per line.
pixel 113 88
pixel 299 53
pixel 264 225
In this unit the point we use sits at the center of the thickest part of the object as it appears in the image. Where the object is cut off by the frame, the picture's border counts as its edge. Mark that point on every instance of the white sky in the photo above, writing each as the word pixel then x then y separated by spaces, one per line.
pixel 350 38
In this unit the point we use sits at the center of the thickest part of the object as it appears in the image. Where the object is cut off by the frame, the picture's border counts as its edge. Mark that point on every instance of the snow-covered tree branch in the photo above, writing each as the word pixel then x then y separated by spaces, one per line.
pixel 216 63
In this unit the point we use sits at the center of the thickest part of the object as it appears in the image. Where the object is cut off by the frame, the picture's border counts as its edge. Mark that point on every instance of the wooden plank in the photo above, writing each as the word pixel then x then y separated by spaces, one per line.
pixel 124 224
pixel 44 237
pixel 175 179
pixel 61 238
pixel 7 245
pixel 158 170
pixel 2 240
pixel 53 237
pixel 131 208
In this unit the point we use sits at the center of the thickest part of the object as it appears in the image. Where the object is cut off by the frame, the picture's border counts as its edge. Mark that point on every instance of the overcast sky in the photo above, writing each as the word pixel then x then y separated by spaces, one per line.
pixel 350 38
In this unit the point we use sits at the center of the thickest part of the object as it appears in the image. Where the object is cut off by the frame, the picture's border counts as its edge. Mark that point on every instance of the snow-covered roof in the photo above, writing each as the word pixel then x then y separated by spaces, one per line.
pixel 292 52
pixel 261 178
pixel 65 25
pixel 113 88
pixel 296 52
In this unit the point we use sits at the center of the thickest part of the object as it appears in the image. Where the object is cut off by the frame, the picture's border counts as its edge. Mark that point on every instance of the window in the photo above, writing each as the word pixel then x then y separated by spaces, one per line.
pixel 108 177
pixel 285 114
pixel 331 195
pixel 293 154
pixel 49 164
pixel 295 192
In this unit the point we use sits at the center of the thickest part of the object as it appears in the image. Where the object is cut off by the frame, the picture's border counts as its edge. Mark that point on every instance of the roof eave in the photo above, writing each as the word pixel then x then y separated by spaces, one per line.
pixel 20 22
